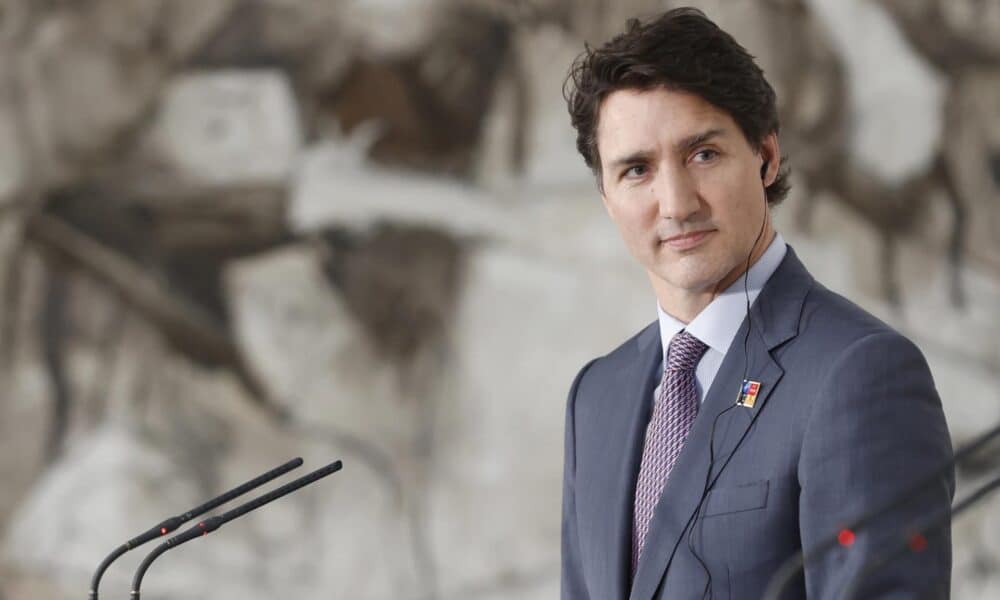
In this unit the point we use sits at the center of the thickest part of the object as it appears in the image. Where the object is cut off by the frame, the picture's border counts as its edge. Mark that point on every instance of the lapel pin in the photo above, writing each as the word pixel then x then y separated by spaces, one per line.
pixel 748 393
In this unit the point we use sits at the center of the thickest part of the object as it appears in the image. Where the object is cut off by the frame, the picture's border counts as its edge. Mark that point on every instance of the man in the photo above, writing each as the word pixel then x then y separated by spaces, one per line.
pixel 698 474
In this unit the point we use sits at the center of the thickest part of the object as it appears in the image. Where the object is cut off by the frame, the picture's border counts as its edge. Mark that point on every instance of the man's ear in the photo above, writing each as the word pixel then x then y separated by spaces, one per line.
pixel 770 152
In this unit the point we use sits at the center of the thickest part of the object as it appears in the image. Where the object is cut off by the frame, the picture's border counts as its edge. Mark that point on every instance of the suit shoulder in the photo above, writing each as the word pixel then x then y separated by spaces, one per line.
pixel 836 323
pixel 624 354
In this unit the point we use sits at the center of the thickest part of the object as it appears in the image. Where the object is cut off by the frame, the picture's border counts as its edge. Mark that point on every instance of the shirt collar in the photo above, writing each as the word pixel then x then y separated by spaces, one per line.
pixel 716 325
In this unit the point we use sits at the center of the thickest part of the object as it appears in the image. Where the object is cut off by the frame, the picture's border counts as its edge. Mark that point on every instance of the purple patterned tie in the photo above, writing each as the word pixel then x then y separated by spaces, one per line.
pixel 673 413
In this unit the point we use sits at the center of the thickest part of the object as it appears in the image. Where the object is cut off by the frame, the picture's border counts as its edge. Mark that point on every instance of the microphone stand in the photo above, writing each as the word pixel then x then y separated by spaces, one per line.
pixel 796 563
pixel 173 523
pixel 916 540
pixel 209 525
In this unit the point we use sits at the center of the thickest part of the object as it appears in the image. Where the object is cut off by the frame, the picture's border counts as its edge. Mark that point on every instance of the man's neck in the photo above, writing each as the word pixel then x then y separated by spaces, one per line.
pixel 685 305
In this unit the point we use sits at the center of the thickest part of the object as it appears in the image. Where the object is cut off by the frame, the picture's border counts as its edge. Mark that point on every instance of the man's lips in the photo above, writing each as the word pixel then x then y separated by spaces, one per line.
pixel 686 241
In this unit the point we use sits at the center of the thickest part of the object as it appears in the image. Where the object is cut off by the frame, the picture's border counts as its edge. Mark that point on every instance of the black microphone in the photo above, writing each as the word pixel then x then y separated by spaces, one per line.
pixel 209 525
pixel 915 539
pixel 783 576
pixel 173 523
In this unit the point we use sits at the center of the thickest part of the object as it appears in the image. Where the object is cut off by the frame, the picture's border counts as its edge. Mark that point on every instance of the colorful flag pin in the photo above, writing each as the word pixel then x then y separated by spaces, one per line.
pixel 748 393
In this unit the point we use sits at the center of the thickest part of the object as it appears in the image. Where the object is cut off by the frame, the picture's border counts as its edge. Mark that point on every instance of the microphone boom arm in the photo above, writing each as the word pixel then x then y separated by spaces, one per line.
pixel 173 523
pixel 209 525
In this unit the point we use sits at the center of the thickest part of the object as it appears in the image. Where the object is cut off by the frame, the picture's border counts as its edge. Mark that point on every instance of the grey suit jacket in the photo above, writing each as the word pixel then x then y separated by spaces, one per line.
pixel 846 419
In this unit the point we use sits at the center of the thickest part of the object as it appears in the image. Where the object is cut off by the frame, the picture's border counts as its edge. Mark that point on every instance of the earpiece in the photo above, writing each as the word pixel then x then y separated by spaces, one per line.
pixel 763 170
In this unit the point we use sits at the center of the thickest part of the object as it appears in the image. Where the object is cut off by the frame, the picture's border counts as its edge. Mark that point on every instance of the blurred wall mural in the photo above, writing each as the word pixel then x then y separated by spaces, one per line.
pixel 237 231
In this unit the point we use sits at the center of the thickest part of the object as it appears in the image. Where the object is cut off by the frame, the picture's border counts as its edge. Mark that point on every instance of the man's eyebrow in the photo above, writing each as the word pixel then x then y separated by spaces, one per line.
pixel 684 145
pixel 691 141
pixel 636 157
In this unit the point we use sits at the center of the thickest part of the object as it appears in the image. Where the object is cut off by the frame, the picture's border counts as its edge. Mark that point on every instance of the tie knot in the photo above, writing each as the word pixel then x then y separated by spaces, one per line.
pixel 684 352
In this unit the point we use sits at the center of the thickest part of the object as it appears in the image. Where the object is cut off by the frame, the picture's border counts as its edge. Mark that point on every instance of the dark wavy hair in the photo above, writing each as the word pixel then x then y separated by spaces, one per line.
pixel 680 50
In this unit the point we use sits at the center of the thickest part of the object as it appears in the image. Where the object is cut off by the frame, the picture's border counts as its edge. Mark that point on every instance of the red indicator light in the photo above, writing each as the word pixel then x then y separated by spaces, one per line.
pixel 918 542
pixel 845 537
pixel 163 531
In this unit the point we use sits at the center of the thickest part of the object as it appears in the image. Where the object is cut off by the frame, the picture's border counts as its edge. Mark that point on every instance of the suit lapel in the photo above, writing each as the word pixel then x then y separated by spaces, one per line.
pixel 638 379
pixel 775 320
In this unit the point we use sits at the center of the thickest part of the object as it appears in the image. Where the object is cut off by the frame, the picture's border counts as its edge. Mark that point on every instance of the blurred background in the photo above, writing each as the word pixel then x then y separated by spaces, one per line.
pixel 237 231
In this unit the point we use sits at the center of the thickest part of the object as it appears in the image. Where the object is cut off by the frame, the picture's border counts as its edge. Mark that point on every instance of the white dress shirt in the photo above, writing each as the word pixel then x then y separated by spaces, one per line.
pixel 716 325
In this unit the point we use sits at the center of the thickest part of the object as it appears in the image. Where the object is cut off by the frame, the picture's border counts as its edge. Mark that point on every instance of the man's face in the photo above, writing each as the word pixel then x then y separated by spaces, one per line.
pixel 684 187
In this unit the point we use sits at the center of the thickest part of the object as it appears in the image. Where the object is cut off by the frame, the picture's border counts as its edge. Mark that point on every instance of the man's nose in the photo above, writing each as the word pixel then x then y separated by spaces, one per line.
pixel 676 196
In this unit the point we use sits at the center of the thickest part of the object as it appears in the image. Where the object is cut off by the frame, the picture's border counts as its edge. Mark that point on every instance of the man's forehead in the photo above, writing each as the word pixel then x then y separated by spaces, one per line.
pixel 631 117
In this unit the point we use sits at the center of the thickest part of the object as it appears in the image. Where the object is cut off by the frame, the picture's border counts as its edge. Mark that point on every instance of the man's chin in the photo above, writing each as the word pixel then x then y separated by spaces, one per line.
pixel 692 282
pixel 694 272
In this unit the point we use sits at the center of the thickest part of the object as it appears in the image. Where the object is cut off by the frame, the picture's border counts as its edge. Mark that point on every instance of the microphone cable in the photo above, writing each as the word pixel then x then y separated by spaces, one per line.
pixel 709 481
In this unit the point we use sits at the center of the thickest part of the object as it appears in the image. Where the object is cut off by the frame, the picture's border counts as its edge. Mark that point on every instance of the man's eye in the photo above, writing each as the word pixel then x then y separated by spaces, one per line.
pixel 635 171
pixel 705 155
